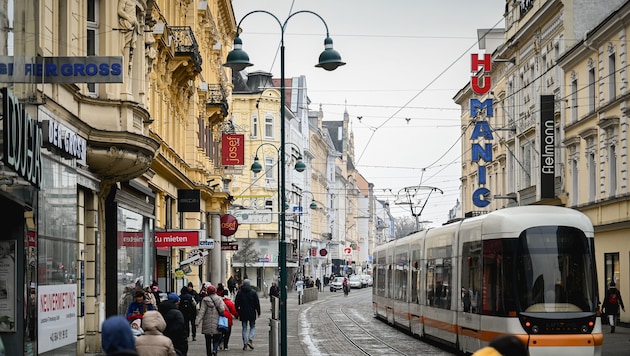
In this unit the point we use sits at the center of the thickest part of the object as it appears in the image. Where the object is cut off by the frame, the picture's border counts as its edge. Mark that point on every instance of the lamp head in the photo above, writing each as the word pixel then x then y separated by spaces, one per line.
pixel 256 166
pixel 313 205
pixel 329 59
pixel 299 165
pixel 237 59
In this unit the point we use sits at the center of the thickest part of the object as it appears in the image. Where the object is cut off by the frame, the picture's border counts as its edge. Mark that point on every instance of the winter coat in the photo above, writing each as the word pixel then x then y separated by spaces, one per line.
pixel 184 297
pixel 175 325
pixel 247 304
pixel 117 337
pixel 230 310
pixel 153 342
pixel 136 310
pixel 610 308
pixel 211 307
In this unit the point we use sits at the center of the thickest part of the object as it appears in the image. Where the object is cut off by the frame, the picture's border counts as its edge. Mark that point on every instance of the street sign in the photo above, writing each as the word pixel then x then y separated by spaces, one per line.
pixel 347 251
pixel 195 257
pixel 209 244
pixel 252 216
pixel 230 247
pixel 263 259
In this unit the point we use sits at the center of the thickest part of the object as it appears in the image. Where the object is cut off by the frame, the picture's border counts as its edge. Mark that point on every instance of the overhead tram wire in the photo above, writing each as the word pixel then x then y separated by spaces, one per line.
pixel 422 91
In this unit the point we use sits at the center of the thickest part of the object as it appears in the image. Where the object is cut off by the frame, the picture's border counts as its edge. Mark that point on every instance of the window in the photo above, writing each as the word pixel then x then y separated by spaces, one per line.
pixel 471 277
pixel 612 170
pixel 591 90
pixel 574 100
pixel 526 156
pixel 269 168
pixel 575 189
pixel 92 37
pixel 592 177
pixel 254 132
pixel 611 268
pixel 269 126
pixel 612 77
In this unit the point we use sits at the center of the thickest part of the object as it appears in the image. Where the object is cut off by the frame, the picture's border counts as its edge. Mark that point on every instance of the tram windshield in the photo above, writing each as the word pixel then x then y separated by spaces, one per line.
pixel 554 270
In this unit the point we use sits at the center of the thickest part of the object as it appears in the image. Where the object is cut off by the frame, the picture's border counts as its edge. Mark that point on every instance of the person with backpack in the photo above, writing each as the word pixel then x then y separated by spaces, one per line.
pixel 188 307
pixel 175 329
pixel 611 305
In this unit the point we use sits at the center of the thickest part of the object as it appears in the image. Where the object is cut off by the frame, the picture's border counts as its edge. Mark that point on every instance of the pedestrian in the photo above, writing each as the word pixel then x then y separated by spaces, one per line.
pixel 230 313
pixel 318 283
pixel 148 292
pixel 231 283
pixel 155 289
pixel 611 305
pixel 248 308
pixel 274 291
pixel 117 337
pixel 175 325
pixel 212 307
pixel 191 290
pixel 136 327
pixel 503 345
pixel 139 306
pixel 154 342
pixel 188 307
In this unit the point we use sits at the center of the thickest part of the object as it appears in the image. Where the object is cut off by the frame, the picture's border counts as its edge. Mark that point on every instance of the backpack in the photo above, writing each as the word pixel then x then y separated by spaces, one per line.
pixel 187 307
pixel 612 298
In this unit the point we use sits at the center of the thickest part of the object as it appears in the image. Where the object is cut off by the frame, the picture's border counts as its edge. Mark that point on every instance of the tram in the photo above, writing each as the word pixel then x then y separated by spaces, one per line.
pixel 527 271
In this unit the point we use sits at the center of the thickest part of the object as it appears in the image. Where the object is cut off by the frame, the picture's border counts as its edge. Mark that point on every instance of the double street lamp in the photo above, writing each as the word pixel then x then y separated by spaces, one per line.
pixel 238 60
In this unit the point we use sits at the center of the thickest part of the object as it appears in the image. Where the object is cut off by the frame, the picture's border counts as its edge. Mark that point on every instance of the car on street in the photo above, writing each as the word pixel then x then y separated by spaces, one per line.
pixel 336 284
pixel 355 281
pixel 366 279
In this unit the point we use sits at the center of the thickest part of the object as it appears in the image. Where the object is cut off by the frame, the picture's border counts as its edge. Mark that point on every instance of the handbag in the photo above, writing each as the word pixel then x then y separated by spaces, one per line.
pixel 222 324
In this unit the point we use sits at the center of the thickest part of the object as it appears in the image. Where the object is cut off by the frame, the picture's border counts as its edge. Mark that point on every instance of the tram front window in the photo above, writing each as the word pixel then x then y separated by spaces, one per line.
pixel 554 270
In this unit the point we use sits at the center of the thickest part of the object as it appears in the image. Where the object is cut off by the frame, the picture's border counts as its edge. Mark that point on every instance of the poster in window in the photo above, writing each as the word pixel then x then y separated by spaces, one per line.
pixel 7 286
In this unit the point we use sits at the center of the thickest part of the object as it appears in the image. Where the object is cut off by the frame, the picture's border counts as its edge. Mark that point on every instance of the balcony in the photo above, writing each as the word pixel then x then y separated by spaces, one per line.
pixel 185 45
pixel 216 98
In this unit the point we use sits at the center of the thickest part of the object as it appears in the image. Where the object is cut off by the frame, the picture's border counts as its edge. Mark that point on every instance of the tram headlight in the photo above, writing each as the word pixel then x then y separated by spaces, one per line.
pixel 535 329
pixel 584 329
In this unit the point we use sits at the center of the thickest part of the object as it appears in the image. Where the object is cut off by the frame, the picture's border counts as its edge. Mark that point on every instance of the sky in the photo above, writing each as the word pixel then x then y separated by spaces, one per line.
pixel 406 60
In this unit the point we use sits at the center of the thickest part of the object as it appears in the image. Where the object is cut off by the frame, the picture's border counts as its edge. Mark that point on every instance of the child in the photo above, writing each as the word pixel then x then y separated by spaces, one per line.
pixel 136 327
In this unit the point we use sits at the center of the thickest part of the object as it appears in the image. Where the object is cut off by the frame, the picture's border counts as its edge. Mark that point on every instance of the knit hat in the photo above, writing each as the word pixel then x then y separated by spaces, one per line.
pixel 116 335
pixel 612 283
pixel 172 297
pixel 211 289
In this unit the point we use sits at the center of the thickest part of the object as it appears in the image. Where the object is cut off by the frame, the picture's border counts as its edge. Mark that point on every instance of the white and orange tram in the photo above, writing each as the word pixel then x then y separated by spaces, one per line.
pixel 527 271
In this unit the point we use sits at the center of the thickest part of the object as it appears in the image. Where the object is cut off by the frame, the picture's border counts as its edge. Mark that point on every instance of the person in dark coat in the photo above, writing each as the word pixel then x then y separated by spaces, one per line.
pixel 248 308
pixel 175 325
pixel 188 307
pixel 231 284
pixel 611 305
pixel 191 290
pixel 117 337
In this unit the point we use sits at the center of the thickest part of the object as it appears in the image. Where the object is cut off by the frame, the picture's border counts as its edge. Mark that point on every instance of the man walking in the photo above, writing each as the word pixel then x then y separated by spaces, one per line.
pixel 248 307
pixel 611 305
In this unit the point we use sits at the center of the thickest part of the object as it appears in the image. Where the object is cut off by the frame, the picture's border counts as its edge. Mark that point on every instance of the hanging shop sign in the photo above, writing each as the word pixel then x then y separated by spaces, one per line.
pixel 547 147
pixel 229 225
pixel 22 139
pixel 481 137
pixel 59 138
pixel 232 149
pixel 188 200
pixel 44 70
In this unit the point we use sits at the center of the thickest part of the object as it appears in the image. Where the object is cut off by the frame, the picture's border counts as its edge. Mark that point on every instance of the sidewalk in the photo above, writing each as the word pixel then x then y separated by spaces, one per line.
pixel 617 343
pixel 261 340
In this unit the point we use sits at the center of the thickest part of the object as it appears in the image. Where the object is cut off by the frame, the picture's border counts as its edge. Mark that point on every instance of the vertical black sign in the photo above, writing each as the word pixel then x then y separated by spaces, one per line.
pixel 547 147
pixel 188 200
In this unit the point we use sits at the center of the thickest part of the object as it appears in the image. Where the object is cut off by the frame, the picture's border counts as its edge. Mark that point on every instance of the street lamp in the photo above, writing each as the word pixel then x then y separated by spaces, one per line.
pixel 238 60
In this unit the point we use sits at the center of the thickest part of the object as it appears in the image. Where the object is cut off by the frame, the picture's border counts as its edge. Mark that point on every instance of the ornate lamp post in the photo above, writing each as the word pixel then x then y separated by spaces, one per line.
pixel 238 60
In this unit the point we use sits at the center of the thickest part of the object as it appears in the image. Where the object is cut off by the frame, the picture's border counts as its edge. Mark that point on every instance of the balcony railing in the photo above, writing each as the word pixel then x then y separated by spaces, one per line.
pixel 217 97
pixel 186 45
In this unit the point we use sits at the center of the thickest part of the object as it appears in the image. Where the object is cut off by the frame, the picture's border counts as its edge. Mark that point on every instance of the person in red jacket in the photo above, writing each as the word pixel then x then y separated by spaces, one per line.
pixel 230 313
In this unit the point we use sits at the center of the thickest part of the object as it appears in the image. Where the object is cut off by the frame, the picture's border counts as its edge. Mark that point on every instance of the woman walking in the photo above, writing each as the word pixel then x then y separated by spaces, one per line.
pixel 212 307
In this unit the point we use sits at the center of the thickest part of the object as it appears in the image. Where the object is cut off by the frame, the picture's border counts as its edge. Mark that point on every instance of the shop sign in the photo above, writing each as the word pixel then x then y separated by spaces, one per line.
pixel 57 316
pixel 130 238
pixel 188 200
pixel 232 149
pixel 229 225
pixel 181 238
pixel 22 140
pixel 67 141
pixel 45 70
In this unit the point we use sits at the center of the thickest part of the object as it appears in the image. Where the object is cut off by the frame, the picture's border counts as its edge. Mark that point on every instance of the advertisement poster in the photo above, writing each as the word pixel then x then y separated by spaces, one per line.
pixel 7 286
pixel 57 316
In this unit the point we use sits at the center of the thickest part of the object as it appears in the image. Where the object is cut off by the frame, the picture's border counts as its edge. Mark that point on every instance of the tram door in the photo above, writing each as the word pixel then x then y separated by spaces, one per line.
pixel 469 309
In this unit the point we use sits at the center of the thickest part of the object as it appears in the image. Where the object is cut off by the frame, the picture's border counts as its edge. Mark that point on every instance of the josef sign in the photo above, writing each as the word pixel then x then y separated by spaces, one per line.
pixel 229 225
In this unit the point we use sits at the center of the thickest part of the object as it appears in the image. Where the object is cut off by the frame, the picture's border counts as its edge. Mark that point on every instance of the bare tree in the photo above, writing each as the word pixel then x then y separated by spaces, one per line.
pixel 246 254
pixel 404 225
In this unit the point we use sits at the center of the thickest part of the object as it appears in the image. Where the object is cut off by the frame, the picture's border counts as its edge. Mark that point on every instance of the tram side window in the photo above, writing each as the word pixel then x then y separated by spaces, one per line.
pixel 380 274
pixel 415 276
pixel 400 275
pixel 439 283
pixel 498 297
pixel 471 276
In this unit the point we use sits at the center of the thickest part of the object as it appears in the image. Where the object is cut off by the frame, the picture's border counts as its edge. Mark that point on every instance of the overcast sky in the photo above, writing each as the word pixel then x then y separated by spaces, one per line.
pixel 406 60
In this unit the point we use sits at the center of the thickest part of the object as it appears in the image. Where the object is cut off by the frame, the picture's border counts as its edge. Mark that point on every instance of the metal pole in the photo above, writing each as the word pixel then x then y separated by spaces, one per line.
pixel 282 259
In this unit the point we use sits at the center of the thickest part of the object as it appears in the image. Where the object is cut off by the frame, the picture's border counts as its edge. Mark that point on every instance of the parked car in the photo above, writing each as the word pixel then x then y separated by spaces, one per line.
pixel 336 284
pixel 355 281
pixel 366 279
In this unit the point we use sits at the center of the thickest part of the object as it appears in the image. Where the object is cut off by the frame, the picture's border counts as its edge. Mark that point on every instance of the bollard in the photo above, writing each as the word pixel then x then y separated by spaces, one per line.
pixel 274 337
